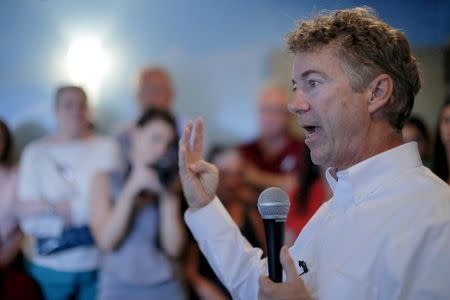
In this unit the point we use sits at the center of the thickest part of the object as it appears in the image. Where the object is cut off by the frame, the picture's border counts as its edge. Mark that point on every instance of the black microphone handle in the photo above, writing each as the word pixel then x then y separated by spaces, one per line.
pixel 274 230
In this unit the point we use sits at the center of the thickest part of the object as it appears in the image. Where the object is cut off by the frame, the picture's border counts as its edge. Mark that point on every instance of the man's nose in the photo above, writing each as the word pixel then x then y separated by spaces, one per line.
pixel 298 103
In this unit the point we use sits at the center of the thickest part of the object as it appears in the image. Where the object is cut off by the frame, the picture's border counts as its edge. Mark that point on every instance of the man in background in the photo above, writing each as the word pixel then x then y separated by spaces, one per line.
pixel 273 158
pixel 154 89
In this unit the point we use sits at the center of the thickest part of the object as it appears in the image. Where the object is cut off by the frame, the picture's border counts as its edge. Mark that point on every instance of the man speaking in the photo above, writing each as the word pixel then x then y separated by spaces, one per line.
pixel 385 233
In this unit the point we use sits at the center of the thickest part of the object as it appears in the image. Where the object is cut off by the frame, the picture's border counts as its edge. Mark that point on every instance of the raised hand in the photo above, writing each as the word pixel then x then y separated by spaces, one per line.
pixel 198 177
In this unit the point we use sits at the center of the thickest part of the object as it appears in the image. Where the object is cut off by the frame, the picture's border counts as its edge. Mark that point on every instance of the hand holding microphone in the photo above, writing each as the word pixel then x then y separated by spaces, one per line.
pixel 273 205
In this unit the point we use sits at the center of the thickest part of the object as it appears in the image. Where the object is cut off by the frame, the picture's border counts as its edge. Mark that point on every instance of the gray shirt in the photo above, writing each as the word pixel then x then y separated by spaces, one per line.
pixel 138 259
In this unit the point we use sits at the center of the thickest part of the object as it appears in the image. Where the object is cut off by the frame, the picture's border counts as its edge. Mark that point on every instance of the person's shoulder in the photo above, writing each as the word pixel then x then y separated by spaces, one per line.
pixel 103 141
pixel 105 144
pixel 106 151
pixel 37 145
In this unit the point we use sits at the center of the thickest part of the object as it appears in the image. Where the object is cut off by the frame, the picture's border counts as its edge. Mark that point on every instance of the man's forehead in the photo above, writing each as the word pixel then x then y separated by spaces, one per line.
pixel 315 61
pixel 72 96
pixel 154 78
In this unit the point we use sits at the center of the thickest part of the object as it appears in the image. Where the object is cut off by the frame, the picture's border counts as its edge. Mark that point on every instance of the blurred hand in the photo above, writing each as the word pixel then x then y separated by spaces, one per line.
pixel 198 177
pixel 293 288
pixel 144 178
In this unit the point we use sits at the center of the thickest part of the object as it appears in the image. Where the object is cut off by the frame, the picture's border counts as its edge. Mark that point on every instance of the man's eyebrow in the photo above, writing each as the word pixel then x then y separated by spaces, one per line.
pixel 309 72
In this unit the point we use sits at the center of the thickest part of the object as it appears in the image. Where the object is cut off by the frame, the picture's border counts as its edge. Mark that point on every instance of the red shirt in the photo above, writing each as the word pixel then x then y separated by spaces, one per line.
pixel 286 161
pixel 296 218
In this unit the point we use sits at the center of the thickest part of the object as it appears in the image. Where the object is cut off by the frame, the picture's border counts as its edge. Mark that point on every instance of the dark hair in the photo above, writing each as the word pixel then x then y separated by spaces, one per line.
pixel 417 122
pixel 157 114
pixel 65 88
pixel 6 157
pixel 440 159
pixel 308 174
pixel 166 166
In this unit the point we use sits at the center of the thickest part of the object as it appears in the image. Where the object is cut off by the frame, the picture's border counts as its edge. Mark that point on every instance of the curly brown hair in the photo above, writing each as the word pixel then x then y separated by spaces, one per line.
pixel 367 47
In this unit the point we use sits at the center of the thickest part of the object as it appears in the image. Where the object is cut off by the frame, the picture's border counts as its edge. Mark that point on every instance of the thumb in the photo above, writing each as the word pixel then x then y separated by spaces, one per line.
pixel 288 264
pixel 202 166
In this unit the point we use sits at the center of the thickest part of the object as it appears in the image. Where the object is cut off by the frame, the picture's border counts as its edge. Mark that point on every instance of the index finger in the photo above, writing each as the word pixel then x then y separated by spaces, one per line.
pixel 186 137
pixel 288 264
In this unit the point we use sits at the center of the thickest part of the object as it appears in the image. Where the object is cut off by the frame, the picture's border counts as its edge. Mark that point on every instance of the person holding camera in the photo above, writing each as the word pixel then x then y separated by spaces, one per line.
pixel 135 215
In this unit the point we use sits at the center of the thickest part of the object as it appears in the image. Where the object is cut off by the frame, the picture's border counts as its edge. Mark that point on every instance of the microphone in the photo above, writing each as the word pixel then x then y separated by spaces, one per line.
pixel 273 205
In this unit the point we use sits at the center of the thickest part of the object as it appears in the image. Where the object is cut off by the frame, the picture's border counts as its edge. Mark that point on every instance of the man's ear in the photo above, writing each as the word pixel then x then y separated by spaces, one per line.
pixel 380 90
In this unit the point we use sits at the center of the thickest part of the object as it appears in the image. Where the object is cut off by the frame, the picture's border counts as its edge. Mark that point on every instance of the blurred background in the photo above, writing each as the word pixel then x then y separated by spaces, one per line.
pixel 219 54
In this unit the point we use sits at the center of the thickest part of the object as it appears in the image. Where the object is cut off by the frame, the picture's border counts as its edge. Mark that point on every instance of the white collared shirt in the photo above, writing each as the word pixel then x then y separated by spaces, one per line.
pixel 385 234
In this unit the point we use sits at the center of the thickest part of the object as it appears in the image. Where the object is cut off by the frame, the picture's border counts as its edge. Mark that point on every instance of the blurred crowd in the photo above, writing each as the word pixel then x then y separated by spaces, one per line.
pixel 88 216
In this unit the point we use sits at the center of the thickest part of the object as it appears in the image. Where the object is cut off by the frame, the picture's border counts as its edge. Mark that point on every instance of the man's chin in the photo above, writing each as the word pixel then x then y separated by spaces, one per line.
pixel 318 158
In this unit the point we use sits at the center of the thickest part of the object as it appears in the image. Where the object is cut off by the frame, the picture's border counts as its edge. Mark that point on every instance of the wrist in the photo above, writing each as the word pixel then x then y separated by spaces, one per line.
pixel 165 194
pixel 199 205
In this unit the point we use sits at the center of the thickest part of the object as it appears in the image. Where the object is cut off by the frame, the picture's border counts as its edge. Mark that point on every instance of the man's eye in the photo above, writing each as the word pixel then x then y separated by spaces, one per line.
pixel 312 83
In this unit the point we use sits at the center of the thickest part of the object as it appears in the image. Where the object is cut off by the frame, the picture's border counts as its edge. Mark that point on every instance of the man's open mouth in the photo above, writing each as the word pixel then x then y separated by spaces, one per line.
pixel 310 130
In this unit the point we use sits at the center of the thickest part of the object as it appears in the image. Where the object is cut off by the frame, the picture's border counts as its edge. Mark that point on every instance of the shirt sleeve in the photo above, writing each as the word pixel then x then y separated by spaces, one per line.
pixel 110 155
pixel 107 158
pixel 233 259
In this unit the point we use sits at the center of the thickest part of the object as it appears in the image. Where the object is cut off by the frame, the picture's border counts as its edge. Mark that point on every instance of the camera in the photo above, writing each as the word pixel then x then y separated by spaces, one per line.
pixel 167 166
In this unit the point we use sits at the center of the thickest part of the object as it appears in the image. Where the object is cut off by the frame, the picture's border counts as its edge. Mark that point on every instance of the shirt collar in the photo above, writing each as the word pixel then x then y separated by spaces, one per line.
pixel 366 176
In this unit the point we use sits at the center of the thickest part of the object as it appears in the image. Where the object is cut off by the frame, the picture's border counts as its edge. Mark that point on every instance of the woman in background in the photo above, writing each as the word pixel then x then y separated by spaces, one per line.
pixel 14 283
pixel 416 130
pixel 441 157
pixel 10 235
pixel 136 219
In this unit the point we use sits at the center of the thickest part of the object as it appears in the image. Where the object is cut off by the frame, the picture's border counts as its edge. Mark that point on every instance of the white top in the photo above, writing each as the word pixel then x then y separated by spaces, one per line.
pixel 385 234
pixel 63 170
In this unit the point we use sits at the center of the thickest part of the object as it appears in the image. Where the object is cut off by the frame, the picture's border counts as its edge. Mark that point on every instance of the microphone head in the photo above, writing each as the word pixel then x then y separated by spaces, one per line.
pixel 273 203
